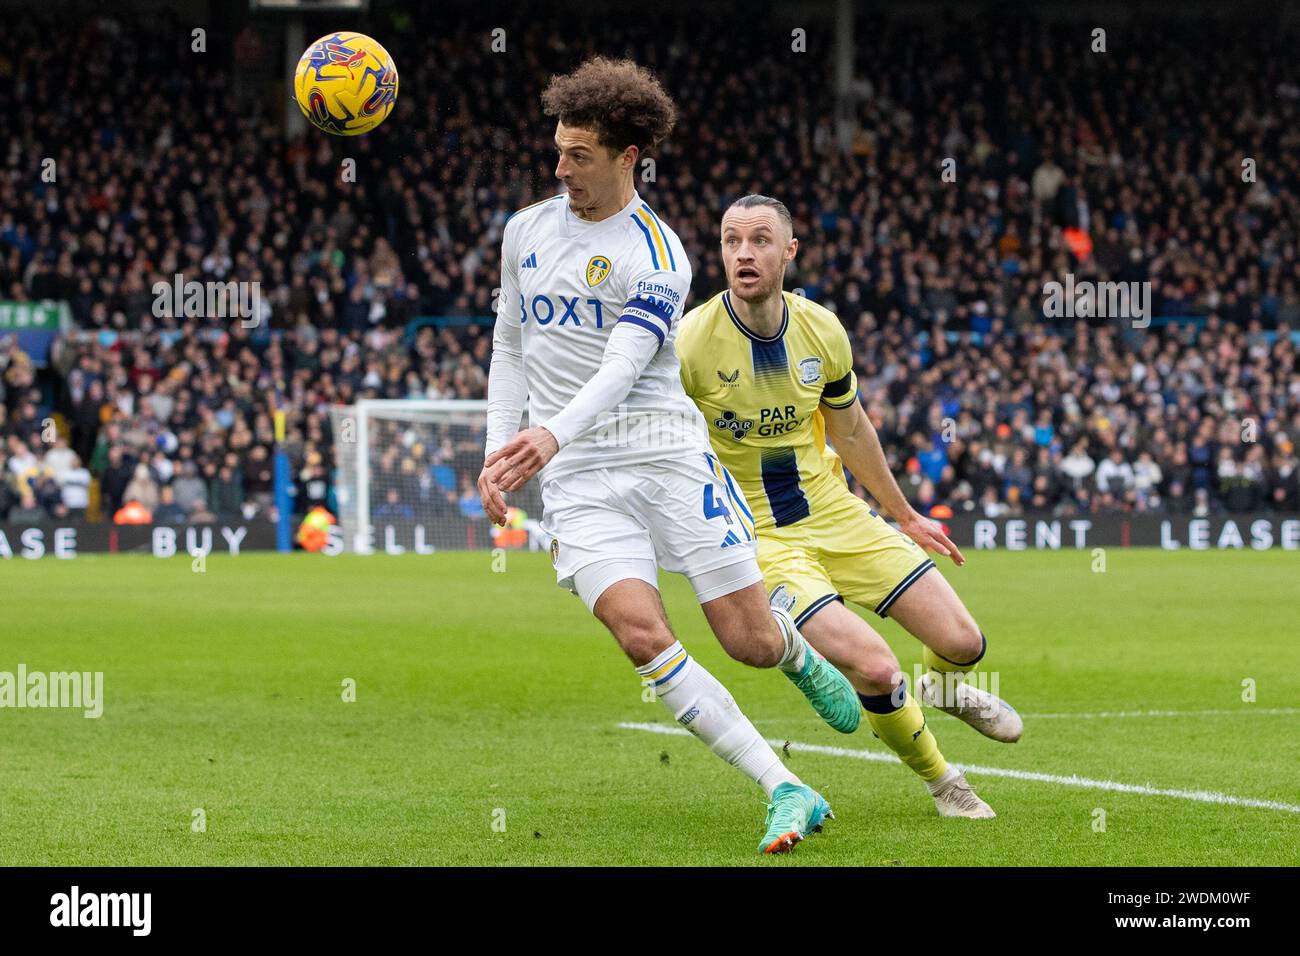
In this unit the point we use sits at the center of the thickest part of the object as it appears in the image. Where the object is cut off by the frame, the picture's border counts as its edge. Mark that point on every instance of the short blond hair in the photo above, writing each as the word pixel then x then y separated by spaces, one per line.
pixel 754 200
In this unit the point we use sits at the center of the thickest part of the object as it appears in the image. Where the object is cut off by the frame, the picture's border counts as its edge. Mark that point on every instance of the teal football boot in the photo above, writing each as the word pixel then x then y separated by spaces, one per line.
pixel 829 691
pixel 795 811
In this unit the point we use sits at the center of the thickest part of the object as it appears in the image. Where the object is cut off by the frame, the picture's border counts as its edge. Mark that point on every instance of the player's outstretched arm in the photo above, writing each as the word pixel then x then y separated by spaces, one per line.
pixel 627 353
pixel 858 446
pixel 641 330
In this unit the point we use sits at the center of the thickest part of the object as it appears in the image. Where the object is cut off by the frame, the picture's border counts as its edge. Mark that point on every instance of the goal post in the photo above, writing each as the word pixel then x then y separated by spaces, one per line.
pixel 406 473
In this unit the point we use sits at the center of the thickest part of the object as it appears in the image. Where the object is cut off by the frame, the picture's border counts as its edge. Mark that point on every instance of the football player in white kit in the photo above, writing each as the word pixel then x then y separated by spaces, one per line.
pixel 592 282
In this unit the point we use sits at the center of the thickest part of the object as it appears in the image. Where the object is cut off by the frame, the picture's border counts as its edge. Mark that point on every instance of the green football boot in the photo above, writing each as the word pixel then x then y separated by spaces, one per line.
pixel 829 691
pixel 795 811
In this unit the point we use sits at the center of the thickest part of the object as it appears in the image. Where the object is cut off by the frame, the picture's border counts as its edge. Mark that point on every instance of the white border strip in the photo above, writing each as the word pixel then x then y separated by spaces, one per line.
pixel 1236 712
pixel 1200 796
pixel 1108 714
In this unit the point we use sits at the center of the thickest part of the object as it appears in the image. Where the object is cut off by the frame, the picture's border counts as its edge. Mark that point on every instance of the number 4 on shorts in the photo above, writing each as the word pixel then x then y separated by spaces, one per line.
pixel 714 506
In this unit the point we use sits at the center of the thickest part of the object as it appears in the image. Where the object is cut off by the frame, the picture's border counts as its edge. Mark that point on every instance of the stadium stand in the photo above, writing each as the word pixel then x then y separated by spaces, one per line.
pixel 1109 168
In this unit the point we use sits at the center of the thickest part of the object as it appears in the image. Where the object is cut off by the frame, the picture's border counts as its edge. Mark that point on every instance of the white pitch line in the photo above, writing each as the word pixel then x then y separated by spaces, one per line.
pixel 1074 780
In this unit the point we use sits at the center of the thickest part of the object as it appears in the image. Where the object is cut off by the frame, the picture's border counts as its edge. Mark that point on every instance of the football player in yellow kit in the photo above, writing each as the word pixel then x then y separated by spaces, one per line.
pixel 772 372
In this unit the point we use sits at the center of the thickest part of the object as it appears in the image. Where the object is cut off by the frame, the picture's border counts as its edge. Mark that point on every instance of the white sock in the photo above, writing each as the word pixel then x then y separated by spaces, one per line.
pixel 700 704
pixel 795 646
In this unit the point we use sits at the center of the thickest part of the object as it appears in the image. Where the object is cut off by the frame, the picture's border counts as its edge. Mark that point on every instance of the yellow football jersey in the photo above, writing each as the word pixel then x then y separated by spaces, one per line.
pixel 761 398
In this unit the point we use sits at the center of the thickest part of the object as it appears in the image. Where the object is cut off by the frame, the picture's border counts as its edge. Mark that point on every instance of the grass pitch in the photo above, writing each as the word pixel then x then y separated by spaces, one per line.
pixel 485 728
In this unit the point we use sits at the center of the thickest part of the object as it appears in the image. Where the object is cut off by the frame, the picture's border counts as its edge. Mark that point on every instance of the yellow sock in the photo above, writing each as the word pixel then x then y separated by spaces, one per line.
pixel 934 662
pixel 905 732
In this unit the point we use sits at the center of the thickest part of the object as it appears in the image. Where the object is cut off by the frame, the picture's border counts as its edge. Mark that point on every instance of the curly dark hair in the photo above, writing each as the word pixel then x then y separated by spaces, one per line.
pixel 623 103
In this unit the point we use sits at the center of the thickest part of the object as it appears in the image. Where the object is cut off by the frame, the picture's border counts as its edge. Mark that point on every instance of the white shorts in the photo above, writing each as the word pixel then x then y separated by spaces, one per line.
pixel 685 515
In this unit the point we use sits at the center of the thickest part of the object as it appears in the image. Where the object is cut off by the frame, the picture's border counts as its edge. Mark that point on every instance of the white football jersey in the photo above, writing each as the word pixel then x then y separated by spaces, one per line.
pixel 565 283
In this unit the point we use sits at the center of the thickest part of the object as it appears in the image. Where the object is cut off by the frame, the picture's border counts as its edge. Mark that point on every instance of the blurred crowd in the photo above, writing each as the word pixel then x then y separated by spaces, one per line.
pixel 1129 165
pixel 1190 421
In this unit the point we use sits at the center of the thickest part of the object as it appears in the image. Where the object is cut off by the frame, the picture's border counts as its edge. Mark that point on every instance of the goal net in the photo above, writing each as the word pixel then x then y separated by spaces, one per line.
pixel 406 480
